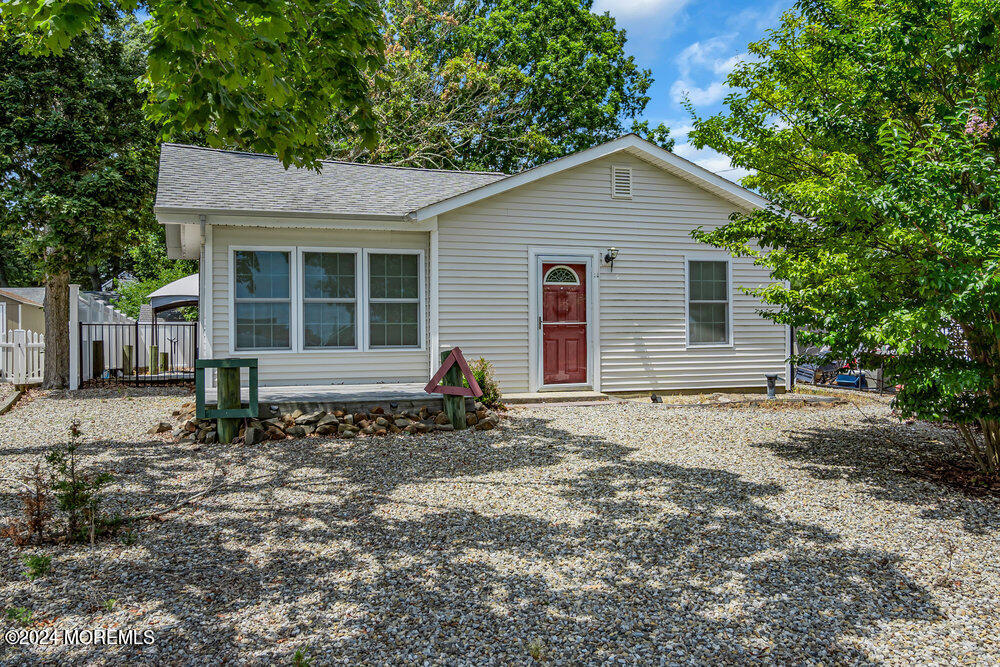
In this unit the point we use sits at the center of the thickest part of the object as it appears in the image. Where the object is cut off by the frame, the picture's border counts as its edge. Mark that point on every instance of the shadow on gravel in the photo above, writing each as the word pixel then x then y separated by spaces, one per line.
pixel 893 460
pixel 673 562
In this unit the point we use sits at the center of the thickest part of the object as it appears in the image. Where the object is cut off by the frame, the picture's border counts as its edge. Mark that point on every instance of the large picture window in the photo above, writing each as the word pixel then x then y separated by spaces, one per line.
pixel 329 299
pixel 262 299
pixel 393 300
pixel 708 303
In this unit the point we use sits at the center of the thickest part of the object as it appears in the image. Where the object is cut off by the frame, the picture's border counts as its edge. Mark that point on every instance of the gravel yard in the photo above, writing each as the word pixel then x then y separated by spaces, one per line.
pixel 570 534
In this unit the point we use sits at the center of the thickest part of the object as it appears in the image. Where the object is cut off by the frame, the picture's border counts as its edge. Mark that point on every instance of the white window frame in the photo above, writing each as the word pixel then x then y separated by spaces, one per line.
pixel 297 277
pixel 730 330
pixel 359 302
pixel 293 297
pixel 421 313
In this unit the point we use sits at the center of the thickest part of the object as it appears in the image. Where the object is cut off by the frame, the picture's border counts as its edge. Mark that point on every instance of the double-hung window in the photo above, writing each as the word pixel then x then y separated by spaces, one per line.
pixel 262 299
pixel 329 300
pixel 708 303
pixel 393 300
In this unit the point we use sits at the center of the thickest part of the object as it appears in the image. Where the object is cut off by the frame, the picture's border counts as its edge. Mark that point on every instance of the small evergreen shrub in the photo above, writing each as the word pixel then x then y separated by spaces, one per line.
pixel 36 566
pixel 485 375
pixel 18 615
pixel 76 494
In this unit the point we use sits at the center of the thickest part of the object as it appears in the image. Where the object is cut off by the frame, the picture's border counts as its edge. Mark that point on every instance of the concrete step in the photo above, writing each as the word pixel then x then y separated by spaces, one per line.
pixel 554 397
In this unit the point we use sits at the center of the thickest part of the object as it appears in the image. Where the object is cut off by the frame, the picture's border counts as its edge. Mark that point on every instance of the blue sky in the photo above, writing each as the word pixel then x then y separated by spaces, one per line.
pixel 690 46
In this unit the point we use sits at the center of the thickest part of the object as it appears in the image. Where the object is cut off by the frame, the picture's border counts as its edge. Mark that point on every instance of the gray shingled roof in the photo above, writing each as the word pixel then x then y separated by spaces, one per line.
pixel 35 295
pixel 216 180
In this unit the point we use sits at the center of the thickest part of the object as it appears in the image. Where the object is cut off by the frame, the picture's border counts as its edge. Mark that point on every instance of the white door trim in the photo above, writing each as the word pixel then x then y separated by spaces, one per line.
pixel 592 260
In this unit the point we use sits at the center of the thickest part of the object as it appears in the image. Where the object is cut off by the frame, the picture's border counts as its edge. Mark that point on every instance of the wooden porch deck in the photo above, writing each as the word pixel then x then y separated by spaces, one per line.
pixel 397 396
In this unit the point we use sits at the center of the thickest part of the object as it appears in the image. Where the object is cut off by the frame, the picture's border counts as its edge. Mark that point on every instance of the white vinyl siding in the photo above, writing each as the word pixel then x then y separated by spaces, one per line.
pixel 314 365
pixel 484 250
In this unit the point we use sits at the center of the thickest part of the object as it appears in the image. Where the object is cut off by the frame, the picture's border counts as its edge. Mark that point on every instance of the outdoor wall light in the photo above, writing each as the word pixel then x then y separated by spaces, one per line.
pixel 610 256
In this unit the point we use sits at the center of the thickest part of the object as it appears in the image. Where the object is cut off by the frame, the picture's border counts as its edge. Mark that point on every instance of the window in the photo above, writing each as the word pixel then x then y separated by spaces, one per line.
pixel 329 299
pixel 561 275
pixel 621 182
pixel 708 303
pixel 393 300
pixel 262 298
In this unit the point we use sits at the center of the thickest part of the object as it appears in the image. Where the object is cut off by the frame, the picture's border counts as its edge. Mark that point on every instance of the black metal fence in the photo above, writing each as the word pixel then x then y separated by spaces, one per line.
pixel 138 353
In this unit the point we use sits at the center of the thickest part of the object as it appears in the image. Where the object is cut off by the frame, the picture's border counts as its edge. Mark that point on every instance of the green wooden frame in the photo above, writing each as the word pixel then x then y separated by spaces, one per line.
pixel 199 388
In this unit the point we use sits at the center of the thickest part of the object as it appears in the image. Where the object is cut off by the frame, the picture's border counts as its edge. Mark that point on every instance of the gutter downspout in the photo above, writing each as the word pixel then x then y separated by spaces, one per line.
pixel 433 289
pixel 205 294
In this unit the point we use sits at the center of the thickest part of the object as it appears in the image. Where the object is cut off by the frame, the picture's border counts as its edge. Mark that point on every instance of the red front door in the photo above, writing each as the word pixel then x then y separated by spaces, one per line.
pixel 564 323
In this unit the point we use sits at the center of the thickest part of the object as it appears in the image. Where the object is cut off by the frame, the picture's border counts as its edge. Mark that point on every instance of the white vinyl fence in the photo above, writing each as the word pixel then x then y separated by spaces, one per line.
pixel 97 311
pixel 22 356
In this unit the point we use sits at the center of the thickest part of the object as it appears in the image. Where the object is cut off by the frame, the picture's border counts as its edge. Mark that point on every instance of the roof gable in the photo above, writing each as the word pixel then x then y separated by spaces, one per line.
pixel 632 144
pixel 34 296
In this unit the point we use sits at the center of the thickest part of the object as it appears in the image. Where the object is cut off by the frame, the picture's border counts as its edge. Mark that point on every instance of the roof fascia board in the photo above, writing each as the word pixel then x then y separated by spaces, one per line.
pixel 653 153
pixel 165 212
pixel 294 221
pixel 19 298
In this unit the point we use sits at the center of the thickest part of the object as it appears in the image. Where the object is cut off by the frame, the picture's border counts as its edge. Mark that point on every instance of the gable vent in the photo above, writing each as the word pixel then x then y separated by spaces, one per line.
pixel 621 182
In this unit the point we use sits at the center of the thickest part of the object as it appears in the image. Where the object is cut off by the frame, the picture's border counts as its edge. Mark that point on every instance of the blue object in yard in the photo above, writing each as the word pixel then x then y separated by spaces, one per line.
pixel 856 381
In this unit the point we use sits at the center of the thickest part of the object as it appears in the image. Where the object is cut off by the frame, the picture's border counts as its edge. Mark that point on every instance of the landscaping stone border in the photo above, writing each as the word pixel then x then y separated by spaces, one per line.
pixel 376 422
pixel 7 405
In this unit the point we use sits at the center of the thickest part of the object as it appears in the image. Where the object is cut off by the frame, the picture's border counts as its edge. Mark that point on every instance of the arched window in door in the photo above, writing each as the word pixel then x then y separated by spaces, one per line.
pixel 561 275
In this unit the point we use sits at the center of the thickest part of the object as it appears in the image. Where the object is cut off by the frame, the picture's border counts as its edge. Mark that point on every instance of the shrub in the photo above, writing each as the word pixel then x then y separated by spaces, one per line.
pixel 19 615
pixel 36 500
pixel 36 566
pixel 76 494
pixel 485 375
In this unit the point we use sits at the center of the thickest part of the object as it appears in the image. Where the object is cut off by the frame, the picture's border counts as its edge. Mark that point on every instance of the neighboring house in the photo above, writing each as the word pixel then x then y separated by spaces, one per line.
pixel 22 308
pixel 363 273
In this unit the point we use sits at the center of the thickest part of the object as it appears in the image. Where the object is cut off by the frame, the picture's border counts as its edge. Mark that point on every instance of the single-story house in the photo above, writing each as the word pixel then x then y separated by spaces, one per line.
pixel 579 273
pixel 22 308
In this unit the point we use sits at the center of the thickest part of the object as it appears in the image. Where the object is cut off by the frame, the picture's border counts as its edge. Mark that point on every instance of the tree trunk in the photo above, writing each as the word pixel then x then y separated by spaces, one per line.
pixel 56 331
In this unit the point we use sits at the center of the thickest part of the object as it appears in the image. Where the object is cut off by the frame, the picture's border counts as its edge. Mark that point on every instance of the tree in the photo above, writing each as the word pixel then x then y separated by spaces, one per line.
pixel 77 163
pixel 262 75
pixel 133 294
pixel 874 122
pixel 15 263
pixel 256 74
pixel 152 270
pixel 498 85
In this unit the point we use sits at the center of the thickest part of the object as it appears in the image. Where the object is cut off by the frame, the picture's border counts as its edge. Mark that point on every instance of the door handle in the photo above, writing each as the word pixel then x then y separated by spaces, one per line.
pixel 539 322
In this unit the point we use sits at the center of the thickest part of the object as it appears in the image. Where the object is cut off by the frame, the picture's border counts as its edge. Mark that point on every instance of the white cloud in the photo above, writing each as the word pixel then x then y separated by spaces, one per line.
pixel 709 56
pixel 636 8
pixel 711 160
pixel 679 127
pixel 710 94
